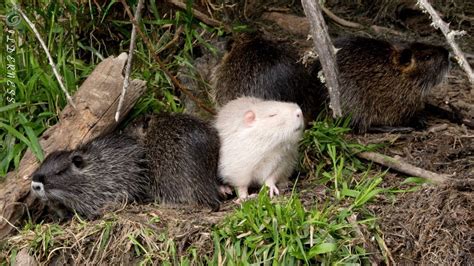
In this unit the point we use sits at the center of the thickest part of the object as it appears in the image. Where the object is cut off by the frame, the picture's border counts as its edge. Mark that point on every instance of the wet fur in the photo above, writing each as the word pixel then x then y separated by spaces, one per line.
pixel 382 83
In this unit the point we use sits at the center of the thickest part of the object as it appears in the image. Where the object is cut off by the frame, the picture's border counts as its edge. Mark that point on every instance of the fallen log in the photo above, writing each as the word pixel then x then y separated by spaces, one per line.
pixel 96 102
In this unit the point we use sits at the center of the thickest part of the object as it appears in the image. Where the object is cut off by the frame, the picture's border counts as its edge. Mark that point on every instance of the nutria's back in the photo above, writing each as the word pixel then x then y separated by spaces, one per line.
pixel 262 68
pixel 183 153
pixel 384 84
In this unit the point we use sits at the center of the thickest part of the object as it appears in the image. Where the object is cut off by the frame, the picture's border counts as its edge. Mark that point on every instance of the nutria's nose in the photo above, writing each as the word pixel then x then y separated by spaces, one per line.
pixel 36 186
pixel 299 113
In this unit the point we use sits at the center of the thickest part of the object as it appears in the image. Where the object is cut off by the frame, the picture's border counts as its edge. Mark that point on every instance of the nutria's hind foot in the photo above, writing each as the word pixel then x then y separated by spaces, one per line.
pixel 225 191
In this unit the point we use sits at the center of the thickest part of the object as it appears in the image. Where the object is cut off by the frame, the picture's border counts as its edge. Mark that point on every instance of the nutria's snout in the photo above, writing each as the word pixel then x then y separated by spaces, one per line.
pixel 299 113
pixel 37 184
pixel 300 117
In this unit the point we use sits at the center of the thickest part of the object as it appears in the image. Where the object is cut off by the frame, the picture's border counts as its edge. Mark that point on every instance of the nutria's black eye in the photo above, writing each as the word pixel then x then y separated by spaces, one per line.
pixel 38 178
pixel 78 161
pixel 272 115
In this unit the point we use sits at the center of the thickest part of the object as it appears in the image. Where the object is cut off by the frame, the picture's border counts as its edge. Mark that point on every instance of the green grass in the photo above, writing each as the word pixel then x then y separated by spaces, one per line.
pixel 286 233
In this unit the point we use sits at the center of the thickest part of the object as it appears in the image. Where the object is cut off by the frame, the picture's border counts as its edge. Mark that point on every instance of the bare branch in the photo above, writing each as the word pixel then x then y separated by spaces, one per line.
pixel 50 59
pixel 402 167
pixel 128 68
pixel 341 21
pixel 438 23
pixel 326 52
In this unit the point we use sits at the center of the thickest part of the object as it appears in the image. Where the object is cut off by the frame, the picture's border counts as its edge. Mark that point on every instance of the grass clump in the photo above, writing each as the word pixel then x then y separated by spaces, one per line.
pixel 287 233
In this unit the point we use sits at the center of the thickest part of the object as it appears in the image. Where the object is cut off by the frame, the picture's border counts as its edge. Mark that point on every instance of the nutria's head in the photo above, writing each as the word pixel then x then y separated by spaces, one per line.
pixel 425 64
pixel 107 170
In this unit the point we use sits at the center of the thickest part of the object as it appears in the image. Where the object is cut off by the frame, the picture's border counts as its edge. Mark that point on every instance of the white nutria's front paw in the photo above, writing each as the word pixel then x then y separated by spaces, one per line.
pixel 242 193
pixel 242 200
pixel 270 183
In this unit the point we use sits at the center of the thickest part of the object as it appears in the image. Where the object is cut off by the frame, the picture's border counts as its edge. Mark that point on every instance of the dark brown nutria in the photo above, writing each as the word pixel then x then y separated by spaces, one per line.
pixel 184 152
pixel 265 69
pixel 384 84
pixel 172 158
pixel 104 172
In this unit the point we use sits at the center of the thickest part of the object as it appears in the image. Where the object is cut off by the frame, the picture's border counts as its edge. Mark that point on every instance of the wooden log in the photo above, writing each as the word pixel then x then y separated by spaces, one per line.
pixel 96 102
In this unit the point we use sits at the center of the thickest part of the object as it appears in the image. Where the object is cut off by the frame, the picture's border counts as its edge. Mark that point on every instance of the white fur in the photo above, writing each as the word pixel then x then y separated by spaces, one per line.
pixel 263 152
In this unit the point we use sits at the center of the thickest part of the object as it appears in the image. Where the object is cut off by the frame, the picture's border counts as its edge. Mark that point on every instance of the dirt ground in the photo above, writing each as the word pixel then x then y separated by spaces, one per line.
pixel 434 225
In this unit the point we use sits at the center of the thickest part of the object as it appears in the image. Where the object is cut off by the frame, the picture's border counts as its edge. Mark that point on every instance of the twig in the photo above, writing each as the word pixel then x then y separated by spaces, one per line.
pixel 173 79
pixel 449 34
pixel 50 59
pixel 128 68
pixel 355 25
pixel 201 16
pixel 176 36
pixel 402 167
pixel 326 52
pixel 380 29
pixel 341 21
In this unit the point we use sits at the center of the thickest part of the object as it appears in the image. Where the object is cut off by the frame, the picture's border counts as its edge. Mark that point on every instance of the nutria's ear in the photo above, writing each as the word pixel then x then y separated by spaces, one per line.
pixel 78 161
pixel 249 118
pixel 403 58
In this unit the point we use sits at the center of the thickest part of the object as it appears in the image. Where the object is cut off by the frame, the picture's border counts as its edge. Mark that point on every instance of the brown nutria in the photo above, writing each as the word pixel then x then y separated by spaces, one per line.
pixel 383 83
pixel 259 142
pixel 266 69
pixel 172 158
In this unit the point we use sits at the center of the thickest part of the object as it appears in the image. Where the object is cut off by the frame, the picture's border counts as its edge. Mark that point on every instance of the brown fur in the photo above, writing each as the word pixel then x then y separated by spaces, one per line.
pixel 384 84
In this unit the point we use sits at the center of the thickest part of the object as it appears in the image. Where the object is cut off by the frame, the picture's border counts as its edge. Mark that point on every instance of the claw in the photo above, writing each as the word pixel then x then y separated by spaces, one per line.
pixel 273 191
